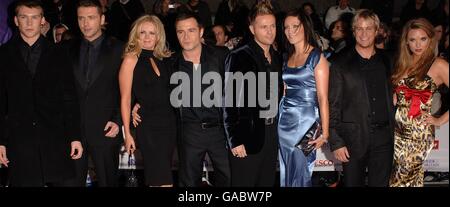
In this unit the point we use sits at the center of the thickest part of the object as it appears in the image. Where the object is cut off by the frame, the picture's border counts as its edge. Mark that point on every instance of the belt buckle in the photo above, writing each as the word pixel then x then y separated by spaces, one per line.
pixel 268 121
pixel 204 125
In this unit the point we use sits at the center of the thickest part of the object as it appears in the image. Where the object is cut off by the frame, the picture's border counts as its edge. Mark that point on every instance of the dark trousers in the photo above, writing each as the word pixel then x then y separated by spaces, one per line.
pixel 257 170
pixel 106 163
pixel 193 146
pixel 377 160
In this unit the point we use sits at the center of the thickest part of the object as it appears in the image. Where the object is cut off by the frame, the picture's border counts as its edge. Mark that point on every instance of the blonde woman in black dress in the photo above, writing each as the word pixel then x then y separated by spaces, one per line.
pixel 145 76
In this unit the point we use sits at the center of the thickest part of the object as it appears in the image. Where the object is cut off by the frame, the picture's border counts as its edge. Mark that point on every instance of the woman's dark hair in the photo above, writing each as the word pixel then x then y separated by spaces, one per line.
pixel 308 29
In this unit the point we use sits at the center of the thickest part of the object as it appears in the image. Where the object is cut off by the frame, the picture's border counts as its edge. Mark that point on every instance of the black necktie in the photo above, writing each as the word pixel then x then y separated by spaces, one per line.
pixel 86 61
pixel 29 63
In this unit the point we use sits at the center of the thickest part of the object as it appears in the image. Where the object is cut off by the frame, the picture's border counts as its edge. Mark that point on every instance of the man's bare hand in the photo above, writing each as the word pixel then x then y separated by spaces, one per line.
pixel 3 158
pixel 113 129
pixel 135 115
pixel 76 150
pixel 239 151
pixel 342 154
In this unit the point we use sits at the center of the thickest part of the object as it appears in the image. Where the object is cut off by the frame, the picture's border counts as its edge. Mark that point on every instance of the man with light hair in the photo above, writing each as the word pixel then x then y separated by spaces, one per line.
pixel 361 107
pixel 252 136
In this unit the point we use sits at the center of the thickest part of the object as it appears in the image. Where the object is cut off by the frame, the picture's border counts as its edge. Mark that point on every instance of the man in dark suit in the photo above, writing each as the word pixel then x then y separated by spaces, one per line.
pixel 96 60
pixel 201 127
pixel 253 138
pixel 39 118
pixel 361 107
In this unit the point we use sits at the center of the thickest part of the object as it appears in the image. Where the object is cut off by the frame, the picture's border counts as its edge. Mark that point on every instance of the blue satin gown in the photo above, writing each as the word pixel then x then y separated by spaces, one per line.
pixel 299 109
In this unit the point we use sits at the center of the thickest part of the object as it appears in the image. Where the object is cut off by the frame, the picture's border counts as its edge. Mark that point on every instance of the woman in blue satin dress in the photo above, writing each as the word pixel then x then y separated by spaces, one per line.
pixel 305 100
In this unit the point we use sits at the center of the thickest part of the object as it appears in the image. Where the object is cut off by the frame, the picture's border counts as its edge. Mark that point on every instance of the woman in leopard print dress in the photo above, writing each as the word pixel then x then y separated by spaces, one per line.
pixel 417 76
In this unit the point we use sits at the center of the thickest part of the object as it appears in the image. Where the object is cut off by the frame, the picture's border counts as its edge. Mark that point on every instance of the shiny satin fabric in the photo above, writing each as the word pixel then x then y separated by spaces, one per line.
pixel 298 111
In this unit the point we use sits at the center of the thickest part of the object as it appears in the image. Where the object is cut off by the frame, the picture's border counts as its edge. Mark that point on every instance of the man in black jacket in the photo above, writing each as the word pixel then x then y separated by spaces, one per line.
pixel 39 118
pixel 96 60
pixel 200 126
pixel 201 129
pixel 361 107
pixel 253 138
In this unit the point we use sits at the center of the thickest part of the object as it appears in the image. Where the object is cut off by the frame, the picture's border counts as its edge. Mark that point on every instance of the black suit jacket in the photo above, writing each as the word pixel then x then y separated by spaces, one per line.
pixel 349 103
pixel 38 115
pixel 243 125
pixel 100 99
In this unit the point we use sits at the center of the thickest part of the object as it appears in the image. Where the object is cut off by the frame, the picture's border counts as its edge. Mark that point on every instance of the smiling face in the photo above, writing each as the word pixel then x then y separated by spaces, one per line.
pixel 147 36
pixel 294 30
pixel 418 41
pixel 29 21
pixel 365 31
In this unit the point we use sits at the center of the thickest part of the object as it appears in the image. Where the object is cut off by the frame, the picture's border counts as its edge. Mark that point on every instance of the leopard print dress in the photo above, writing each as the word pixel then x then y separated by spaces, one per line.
pixel 413 139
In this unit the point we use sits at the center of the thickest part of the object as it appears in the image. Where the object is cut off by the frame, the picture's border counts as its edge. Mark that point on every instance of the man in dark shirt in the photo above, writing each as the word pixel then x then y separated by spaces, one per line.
pixel 96 60
pixel 31 53
pixel 252 137
pixel 39 117
pixel 361 107
pixel 200 118
pixel 201 126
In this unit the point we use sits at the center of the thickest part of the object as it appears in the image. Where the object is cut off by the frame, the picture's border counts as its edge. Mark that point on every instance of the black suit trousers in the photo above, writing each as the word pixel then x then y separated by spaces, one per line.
pixel 106 164
pixel 193 146
pixel 257 170
pixel 376 162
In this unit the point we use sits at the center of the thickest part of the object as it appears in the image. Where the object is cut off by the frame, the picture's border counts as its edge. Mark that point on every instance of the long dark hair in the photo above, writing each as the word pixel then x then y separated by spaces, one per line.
pixel 309 35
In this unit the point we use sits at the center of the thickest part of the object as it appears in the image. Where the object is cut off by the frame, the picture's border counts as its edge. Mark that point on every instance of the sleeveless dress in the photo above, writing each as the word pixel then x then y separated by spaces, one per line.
pixel 298 111
pixel 156 134
pixel 413 140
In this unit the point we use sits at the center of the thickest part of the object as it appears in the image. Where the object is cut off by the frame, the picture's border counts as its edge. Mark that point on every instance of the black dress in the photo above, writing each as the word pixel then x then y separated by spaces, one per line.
pixel 156 134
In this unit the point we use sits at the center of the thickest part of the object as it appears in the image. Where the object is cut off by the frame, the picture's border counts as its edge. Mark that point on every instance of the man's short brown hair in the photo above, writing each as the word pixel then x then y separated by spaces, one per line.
pixel 90 3
pixel 29 4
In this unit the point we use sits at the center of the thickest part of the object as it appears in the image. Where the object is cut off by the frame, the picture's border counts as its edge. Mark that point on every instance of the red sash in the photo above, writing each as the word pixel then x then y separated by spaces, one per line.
pixel 416 97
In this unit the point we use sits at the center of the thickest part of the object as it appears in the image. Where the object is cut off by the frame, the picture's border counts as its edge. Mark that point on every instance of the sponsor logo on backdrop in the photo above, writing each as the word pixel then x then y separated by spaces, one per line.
pixel 323 163
pixel 431 163
pixel 436 145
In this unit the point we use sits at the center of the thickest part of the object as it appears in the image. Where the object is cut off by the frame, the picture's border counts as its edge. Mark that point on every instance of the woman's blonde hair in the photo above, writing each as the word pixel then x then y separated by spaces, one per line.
pixel 405 64
pixel 132 47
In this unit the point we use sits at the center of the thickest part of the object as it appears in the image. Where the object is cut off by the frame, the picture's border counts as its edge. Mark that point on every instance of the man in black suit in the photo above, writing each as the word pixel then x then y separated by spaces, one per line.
pixel 96 60
pixel 39 118
pixel 253 138
pixel 361 107
pixel 200 126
